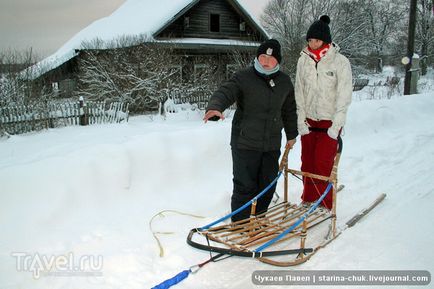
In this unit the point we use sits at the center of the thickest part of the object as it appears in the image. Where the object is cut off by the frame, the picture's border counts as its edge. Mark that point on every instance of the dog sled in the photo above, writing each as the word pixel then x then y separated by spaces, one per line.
pixel 287 234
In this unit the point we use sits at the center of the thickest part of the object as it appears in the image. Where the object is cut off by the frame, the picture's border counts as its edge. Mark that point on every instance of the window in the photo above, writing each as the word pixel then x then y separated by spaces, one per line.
pixel 200 71
pixel 186 22
pixel 214 23
pixel 243 26
pixel 55 88
pixel 67 87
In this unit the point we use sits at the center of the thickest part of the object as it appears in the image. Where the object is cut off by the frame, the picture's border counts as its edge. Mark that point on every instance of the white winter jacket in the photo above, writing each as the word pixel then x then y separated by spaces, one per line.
pixel 323 90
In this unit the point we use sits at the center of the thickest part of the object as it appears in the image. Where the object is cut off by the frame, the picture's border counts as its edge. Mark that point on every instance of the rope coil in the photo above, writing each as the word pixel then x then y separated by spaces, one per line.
pixel 161 214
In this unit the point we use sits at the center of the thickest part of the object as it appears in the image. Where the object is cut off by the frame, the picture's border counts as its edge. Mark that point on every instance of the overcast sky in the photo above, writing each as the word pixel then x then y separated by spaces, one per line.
pixel 45 25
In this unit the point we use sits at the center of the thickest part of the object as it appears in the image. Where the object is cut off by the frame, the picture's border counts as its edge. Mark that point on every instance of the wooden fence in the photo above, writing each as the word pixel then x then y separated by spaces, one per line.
pixel 27 118
pixel 359 83
pixel 200 101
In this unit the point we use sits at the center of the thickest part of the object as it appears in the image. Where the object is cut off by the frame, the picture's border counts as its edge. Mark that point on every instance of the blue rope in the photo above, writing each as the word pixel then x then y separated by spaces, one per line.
pixel 173 281
pixel 244 206
pixel 296 224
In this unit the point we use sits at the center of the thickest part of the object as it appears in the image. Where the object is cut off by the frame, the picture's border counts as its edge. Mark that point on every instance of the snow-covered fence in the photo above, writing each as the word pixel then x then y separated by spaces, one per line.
pixel 359 83
pixel 200 101
pixel 27 118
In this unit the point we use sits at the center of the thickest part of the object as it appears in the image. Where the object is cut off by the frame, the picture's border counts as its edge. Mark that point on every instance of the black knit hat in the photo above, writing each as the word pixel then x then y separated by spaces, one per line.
pixel 270 47
pixel 320 30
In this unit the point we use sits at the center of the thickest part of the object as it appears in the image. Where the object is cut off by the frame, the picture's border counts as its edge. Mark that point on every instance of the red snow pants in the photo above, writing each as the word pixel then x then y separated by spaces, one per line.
pixel 318 152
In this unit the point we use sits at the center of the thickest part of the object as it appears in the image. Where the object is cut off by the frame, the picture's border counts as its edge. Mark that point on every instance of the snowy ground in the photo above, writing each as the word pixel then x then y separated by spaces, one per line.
pixel 91 191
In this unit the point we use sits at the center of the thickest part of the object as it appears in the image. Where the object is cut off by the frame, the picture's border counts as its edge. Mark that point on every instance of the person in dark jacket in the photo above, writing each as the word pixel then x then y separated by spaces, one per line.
pixel 265 102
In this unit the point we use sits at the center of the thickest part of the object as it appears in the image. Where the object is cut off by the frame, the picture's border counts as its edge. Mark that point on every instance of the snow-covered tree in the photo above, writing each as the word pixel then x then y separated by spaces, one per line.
pixel 135 75
pixel 144 75
pixel 425 32
pixel 349 28
pixel 287 21
pixel 385 20
pixel 14 89
pixel 362 28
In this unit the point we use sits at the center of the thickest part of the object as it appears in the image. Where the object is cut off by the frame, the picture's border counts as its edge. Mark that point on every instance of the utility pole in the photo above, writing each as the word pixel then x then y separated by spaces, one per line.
pixel 410 46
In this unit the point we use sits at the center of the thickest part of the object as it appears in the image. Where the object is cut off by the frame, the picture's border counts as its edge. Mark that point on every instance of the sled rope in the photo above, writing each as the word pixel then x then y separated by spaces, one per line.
pixel 184 274
pixel 161 214
pixel 243 206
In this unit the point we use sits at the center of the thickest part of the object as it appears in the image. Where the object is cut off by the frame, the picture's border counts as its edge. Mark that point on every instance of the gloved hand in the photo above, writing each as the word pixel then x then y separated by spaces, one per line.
pixel 333 132
pixel 303 128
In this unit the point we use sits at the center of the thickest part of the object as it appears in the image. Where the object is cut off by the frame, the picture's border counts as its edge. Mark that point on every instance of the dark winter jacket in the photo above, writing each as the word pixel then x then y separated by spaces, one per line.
pixel 262 109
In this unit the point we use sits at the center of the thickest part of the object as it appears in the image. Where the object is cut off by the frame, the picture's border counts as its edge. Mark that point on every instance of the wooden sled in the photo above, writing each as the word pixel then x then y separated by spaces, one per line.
pixel 242 238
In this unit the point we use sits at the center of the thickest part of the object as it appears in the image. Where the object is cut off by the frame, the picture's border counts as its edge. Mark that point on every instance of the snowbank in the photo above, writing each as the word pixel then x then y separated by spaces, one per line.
pixel 92 191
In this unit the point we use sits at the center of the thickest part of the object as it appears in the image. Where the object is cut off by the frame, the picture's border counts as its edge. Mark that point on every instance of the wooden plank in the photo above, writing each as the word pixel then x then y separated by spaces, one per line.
pixel 315 176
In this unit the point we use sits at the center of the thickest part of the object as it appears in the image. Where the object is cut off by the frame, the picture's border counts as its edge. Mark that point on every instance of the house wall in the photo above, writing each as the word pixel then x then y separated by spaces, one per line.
pixel 198 24
pixel 59 82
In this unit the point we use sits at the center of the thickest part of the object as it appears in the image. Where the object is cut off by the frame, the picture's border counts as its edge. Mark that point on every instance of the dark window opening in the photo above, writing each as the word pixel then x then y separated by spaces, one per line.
pixel 214 23
pixel 187 22
pixel 243 26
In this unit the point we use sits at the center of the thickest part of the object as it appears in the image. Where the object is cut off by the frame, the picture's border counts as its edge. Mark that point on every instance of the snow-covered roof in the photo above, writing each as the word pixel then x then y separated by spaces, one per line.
pixel 133 18
pixel 209 42
pixel 48 64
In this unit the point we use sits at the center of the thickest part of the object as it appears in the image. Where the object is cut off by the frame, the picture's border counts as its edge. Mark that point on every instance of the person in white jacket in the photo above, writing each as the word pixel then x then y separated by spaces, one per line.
pixel 323 90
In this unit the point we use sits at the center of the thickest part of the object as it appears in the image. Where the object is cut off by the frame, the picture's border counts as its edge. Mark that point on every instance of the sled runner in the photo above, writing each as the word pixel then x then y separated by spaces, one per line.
pixel 287 234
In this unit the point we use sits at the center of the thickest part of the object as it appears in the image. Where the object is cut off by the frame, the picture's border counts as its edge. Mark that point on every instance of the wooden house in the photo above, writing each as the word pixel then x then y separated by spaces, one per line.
pixel 199 32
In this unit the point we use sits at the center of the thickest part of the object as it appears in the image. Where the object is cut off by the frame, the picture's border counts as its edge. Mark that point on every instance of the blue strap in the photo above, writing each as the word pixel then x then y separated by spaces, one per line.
pixel 244 206
pixel 173 281
pixel 296 224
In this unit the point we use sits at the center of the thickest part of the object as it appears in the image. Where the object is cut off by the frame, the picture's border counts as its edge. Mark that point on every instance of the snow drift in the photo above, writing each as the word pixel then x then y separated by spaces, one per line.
pixel 92 191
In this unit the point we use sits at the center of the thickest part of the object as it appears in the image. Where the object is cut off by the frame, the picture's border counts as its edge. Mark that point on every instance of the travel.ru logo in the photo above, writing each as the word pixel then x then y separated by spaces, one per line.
pixel 58 265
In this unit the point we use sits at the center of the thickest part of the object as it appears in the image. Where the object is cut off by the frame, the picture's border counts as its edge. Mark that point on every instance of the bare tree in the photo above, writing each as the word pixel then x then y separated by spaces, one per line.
pixel 136 75
pixel 425 31
pixel 241 59
pixel 141 72
pixel 287 21
pixel 360 27
pixel 383 18
pixel 14 88
pixel 349 28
